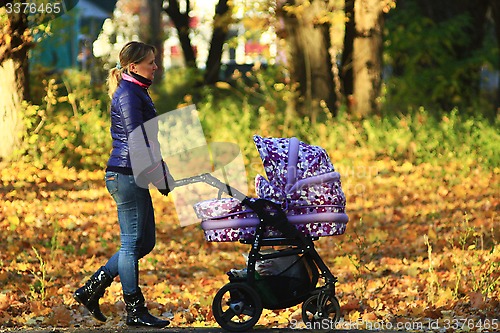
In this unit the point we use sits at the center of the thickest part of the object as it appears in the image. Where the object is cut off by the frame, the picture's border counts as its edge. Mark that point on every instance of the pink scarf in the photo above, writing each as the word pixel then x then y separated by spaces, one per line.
pixel 137 79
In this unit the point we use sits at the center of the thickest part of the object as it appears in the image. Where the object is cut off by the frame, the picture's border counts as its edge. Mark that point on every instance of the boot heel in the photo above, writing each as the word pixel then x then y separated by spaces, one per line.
pixel 138 314
pixel 92 291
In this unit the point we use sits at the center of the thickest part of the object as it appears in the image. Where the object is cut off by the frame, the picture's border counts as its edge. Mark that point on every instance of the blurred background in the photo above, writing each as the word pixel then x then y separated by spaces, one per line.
pixel 288 60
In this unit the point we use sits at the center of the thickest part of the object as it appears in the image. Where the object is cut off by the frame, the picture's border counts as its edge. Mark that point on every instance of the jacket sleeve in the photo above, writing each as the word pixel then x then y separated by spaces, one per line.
pixel 158 175
pixel 147 163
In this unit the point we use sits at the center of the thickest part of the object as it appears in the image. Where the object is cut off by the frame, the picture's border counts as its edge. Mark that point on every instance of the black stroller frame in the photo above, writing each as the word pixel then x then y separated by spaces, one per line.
pixel 320 308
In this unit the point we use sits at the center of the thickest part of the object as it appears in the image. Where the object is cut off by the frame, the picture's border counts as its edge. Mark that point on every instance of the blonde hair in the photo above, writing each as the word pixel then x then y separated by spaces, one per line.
pixel 132 53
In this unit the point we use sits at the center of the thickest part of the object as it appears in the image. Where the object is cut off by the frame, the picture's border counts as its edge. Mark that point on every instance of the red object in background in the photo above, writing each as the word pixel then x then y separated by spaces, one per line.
pixel 176 51
pixel 255 47
pixel 193 22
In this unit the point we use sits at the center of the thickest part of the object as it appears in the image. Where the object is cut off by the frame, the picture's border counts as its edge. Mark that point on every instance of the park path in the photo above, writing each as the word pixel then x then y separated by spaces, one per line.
pixel 175 330
pixel 172 330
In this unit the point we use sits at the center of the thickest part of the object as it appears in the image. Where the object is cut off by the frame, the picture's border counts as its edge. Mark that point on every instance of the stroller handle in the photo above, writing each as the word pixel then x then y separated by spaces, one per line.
pixel 209 179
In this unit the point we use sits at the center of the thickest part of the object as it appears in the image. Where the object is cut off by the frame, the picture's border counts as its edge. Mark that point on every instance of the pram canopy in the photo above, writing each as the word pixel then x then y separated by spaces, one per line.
pixel 299 177
pixel 298 174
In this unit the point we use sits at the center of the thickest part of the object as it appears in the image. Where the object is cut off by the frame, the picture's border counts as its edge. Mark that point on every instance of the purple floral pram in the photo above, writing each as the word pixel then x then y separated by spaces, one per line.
pixel 300 179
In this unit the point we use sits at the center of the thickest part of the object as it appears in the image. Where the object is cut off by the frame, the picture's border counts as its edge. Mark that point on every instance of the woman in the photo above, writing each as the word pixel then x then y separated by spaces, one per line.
pixel 131 107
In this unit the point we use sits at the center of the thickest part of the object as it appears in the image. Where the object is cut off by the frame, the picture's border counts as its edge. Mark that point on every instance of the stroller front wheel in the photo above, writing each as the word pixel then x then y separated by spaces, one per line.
pixel 237 307
pixel 321 311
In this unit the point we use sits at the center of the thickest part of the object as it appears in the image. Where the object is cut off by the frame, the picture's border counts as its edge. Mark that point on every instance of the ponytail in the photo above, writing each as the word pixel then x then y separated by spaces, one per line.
pixel 114 77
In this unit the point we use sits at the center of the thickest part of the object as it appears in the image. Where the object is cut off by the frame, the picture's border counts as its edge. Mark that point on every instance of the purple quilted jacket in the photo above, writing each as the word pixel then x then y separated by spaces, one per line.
pixel 131 106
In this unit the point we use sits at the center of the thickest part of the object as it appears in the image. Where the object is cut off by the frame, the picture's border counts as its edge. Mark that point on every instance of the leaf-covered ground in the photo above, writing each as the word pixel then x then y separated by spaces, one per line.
pixel 421 247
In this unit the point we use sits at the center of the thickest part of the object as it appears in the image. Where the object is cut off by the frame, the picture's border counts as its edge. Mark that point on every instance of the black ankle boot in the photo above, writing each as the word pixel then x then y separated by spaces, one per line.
pixel 92 291
pixel 138 314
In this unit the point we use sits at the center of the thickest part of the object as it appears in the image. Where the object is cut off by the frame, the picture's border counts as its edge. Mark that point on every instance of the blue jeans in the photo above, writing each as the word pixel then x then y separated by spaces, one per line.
pixel 137 229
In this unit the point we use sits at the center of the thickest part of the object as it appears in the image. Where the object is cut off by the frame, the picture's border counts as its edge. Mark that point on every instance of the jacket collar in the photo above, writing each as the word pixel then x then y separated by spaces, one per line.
pixel 137 79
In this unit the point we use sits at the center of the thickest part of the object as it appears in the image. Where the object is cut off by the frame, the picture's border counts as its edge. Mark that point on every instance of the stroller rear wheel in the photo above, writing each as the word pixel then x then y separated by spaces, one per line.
pixel 321 311
pixel 237 307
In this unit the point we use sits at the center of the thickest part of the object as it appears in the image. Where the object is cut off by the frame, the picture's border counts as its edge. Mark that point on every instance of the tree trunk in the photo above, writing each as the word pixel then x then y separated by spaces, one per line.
pixel 11 95
pixel 14 44
pixel 367 56
pixel 151 31
pixel 221 25
pixel 346 62
pixel 181 22
pixel 495 11
pixel 310 63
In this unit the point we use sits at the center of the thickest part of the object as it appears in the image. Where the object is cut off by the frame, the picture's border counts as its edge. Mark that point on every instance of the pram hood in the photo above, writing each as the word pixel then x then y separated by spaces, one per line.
pixel 297 173
pixel 300 178
pixel 287 160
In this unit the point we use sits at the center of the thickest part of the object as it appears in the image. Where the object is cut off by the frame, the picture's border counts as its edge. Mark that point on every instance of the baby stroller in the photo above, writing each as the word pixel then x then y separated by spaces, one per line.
pixel 300 201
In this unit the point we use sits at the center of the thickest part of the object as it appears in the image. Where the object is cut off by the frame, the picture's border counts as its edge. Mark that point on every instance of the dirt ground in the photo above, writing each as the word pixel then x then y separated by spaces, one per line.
pixel 164 330
pixel 126 329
